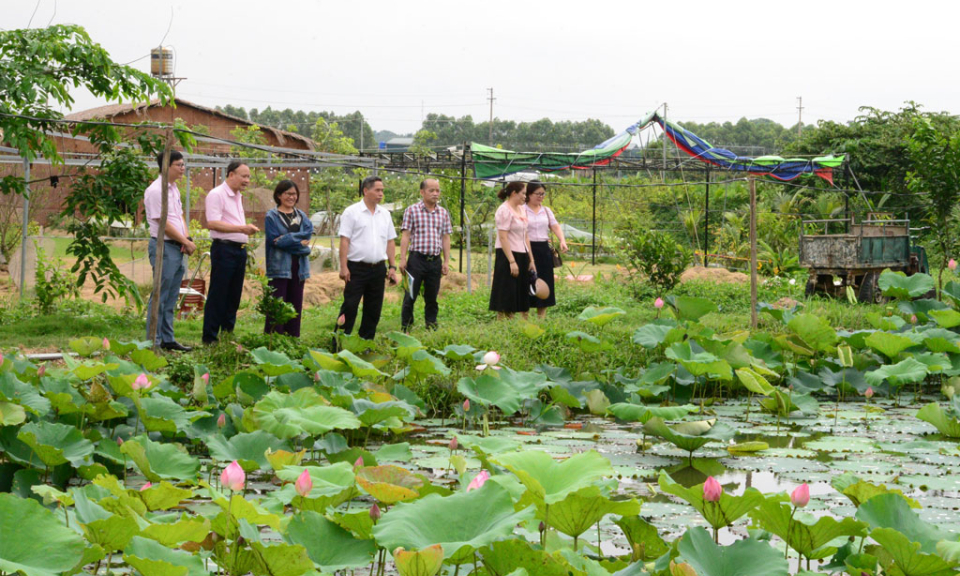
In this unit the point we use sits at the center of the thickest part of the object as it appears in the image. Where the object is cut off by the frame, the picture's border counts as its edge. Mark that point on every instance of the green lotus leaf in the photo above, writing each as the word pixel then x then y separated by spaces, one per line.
pixel 806 535
pixel 487 445
pixel 952 291
pixel 586 342
pixel 424 562
pixel 176 533
pixel 405 344
pixel 460 523
pixel 941 340
pixel 747 556
pixel 690 436
pixel 320 360
pixel 148 360
pixel 584 508
pixel 491 390
pixel 946 318
pixel 640 413
pixel 33 541
pixel 747 447
pixel 754 381
pixel 13 390
pixel 934 361
pixel 723 512
pixel 940 419
pixel 11 414
pixel 890 345
pixel 302 412
pixel 689 307
pixel 161 414
pixel 158 461
pixel 423 364
pixel 656 333
pixel 902 287
pixel 86 346
pixel 600 316
pixel 861 564
pixel 248 449
pixel 892 511
pixel 813 330
pixel 644 539
pixel 152 558
pixel 273 363
pixel 907 371
pixel 785 402
pixel 56 444
pixel 329 546
pixel 110 531
pixel 921 308
pixel 49 494
pixel 371 413
pixel 531 330
pixel 794 344
pixel 550 481
pixel 360 367
pixel 699 363
pixel 597 402
pixel 507 556
pixel 859 491
pixel 164 496
pixel 781 315
pixel 332 485
pixel 906 555
pixel 389 484
pixel 949 551
pixel 457 351
pixel 283 559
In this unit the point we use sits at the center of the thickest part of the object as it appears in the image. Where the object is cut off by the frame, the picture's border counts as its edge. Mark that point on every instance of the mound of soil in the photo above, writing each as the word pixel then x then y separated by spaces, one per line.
pixel 716 275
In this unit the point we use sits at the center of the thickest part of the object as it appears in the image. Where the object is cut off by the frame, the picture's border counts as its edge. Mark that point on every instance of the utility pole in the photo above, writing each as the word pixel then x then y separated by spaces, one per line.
pixel 490 135
pixel 361 130
pixel 799 116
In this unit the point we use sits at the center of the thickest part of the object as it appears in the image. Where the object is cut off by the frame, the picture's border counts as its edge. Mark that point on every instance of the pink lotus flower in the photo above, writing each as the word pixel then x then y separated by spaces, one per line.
pixel 712 490
pixel 453 444
pixel 106 344
pixel 466 405
pixel 221 420
pixel 869 392
pixel 342 320
pixel 490 360
pixel 478 480
pixel 40 371
pixel 913 318
pixel 801 496
pixel 233 477
pixel 375 512
pixel 304 484
pixel 205 378
pixel 359 462
pixel 141 383
pixel 658 303
pixel 145 486
pixel 119 441
pixel 952 264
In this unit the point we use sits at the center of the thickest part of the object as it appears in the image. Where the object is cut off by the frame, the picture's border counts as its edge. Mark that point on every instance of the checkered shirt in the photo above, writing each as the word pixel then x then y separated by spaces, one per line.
pixel 426 228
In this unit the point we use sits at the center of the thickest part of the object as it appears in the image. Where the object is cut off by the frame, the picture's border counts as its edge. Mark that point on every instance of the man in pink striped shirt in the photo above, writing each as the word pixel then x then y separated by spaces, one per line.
pixel 228 254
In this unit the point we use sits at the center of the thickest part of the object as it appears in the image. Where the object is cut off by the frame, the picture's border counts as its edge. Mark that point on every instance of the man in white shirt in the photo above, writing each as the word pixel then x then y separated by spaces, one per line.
pixel 176 245
pixel 366 247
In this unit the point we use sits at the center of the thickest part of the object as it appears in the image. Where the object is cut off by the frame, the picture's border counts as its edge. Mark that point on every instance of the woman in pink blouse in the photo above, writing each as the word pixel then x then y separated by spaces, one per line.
pixel 510 292
pixel 540 221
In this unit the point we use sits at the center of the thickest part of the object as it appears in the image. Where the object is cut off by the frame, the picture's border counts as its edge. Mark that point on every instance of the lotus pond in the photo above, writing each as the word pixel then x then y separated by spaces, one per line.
pixel 403 459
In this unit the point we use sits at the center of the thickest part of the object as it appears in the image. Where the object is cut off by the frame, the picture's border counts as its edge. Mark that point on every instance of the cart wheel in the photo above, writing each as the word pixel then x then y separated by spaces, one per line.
pixel 869 291
pixel 811 288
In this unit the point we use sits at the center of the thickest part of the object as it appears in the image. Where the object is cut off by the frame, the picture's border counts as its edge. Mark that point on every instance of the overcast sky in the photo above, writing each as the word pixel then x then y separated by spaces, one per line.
pixel 566 60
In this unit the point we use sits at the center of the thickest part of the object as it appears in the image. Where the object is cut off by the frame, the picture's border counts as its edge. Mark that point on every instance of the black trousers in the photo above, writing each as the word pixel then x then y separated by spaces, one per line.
pixel 228 264
pixel 426 271
pixel 367 284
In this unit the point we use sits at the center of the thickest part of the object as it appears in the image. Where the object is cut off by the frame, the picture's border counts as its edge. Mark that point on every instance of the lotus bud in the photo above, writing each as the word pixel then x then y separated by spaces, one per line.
pixel 801 496
pixel 119 441
pixel 712 490
pixel 342 320
pixel 466 405
pixel 233 477
pixel 221 420
pixel 478 480
pixel 40 371
pixel 491 358
pixel 304 484
pixel 141 383
pixel 106 344
pixel 952 264
pixel 359 462
pixel 453 444
pixel 681 569
pixel 913 318
pixel 205 378
pixel 542 526
pixel 145 486
pixel 375 513
pixel 658 303
pixel 869 392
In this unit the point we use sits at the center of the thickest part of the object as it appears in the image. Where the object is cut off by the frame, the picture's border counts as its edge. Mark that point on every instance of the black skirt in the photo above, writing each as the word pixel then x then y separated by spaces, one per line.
pixel 543 260
pixel 509 294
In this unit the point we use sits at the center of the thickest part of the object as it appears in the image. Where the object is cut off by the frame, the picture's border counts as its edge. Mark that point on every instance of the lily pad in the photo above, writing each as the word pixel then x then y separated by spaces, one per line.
pixel 328 545
pixel 34 542
pixel 747 556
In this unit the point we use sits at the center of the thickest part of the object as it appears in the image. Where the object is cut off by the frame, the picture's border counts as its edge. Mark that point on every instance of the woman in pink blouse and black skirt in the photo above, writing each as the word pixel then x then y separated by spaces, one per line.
pixel 510 292
pixel 540 221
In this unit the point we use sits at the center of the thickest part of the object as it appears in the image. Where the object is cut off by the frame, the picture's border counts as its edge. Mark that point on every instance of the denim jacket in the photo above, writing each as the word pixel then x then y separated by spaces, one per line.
pixel 283 246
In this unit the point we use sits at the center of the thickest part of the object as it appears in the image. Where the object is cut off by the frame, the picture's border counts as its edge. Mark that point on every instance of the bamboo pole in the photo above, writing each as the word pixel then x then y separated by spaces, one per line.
pixel 753 253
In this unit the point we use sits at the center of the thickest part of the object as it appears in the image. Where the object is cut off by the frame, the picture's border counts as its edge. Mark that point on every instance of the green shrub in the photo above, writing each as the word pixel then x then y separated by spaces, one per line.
pixel 652 256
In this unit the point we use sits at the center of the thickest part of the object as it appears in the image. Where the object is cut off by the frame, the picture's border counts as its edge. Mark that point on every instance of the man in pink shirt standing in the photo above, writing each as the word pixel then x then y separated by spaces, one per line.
pixel 176 244
pixel 228 254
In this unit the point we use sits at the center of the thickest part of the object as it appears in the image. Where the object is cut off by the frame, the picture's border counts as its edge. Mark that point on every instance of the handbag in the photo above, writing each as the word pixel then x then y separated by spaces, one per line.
pixel 557 261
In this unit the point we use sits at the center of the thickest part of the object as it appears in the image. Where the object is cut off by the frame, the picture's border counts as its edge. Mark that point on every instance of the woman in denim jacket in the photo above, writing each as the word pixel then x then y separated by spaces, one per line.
pixel 288 233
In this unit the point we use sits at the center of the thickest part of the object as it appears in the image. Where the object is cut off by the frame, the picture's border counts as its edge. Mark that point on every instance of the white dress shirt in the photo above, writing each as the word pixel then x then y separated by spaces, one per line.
pixel 368 232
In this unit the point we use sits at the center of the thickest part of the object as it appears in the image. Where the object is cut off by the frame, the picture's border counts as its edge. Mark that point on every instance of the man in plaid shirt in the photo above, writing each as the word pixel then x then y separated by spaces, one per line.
pixel 426 233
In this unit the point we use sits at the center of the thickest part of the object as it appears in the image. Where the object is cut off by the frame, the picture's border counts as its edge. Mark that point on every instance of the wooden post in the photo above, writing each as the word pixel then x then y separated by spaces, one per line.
pixel 161 235
pixel 753 253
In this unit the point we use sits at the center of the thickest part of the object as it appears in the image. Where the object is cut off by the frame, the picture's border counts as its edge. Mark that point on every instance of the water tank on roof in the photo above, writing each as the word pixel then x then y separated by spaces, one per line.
pixel 161 61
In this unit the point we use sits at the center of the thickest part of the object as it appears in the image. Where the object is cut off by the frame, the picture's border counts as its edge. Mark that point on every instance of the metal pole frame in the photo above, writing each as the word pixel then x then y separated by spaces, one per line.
pixel 463 207
pixel 593 258
pixel 706 223
pixel 25 225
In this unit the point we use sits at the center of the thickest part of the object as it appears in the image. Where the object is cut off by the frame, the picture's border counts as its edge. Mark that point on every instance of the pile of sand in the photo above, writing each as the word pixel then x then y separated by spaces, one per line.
pixel 715 275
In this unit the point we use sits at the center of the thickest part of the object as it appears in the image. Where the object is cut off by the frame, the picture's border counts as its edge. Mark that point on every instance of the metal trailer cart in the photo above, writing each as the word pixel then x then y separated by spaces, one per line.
pixel 857 256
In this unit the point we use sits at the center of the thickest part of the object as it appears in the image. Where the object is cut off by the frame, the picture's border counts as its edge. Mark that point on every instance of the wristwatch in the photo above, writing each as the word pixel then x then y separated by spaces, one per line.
pixel 392 268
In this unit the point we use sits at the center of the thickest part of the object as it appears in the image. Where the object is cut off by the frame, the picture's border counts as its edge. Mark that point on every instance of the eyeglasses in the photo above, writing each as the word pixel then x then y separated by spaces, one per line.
pixel 292 193
pixel 538 194
pixel 179 164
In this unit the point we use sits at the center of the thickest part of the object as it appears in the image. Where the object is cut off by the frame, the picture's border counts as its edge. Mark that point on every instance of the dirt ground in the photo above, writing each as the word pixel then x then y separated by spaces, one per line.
pixel 718 275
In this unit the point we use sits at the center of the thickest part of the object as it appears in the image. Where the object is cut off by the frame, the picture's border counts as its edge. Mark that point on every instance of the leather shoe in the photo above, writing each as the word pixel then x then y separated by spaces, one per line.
pixel 175 346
